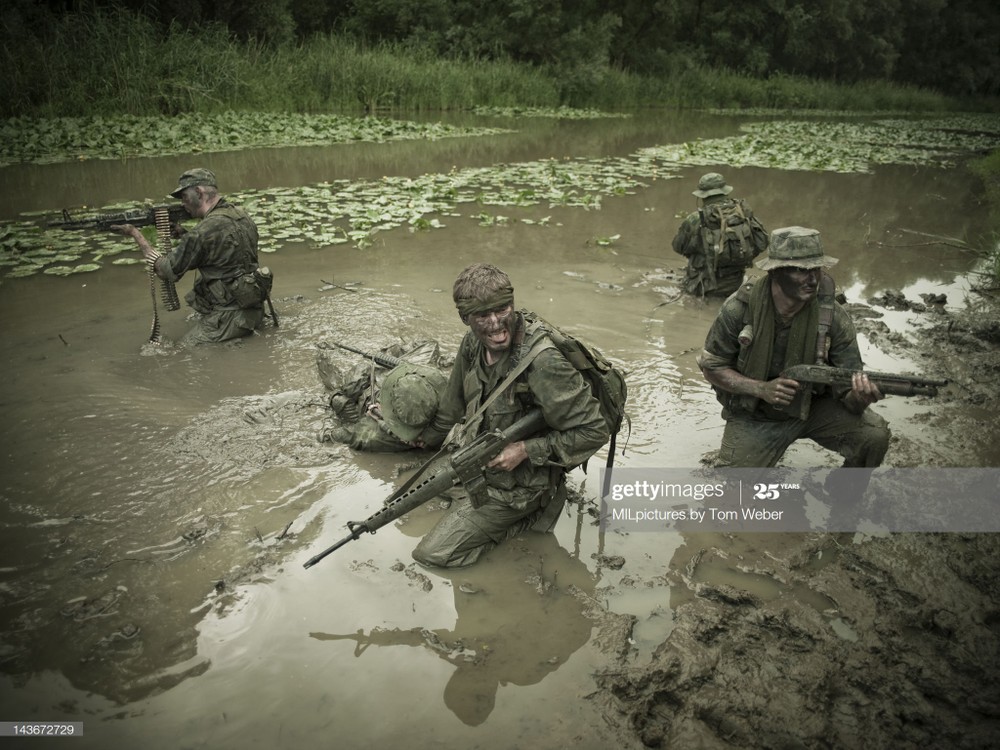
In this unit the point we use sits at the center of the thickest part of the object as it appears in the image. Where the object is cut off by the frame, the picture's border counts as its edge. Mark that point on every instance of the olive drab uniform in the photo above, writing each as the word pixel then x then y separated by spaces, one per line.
pixel 405 399
pixel 228 294
pixel 533 493
pixel 720 241
pixel 757 434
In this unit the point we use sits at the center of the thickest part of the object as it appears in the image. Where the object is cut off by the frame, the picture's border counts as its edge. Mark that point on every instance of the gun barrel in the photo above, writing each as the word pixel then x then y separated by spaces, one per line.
pixel 891 376
pixel 140 217
pixel 441 474
pixel 888 382
pixel 386 360
pixel 329 550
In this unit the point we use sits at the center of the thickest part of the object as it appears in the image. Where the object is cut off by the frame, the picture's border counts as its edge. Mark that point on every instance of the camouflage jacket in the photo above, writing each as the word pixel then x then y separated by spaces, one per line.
pixel 689 242
pixel 551 382
pixel 222 247
pixel 724 350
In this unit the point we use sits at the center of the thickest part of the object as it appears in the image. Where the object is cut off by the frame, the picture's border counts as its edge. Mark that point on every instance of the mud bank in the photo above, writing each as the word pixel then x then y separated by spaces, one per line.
pixel 904 655
pixel 889 641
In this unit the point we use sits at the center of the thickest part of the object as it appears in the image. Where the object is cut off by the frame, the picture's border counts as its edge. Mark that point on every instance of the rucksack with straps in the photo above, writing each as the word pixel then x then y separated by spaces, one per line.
pixel 727 234
pixel 607 382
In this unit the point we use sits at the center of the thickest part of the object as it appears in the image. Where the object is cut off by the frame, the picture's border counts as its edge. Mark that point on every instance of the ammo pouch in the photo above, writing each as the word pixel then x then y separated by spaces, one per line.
pixel 251 289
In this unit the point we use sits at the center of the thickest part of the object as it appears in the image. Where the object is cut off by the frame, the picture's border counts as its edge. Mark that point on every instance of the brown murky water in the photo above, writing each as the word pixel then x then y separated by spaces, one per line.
pixel 157 504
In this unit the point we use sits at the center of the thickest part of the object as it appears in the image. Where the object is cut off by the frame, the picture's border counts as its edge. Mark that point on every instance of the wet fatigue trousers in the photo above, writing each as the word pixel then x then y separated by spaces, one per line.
pixel 466 533
pixel 862 439
pixel 224 324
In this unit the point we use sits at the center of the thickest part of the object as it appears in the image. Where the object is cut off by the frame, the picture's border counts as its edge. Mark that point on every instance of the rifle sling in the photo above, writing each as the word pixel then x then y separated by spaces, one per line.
pixel 827 291
pixel 521 366
pixel 515 372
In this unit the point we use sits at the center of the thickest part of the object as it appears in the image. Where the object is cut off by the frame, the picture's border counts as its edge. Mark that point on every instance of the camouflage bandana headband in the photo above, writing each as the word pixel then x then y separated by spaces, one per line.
pixel 474 306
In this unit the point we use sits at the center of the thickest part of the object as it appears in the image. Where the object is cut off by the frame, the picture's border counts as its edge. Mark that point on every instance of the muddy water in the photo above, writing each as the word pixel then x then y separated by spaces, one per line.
pixel 158 504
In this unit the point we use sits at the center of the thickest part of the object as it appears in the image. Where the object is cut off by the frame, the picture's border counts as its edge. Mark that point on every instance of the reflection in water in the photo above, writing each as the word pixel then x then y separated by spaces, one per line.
pixel 134 483
pixel 517 621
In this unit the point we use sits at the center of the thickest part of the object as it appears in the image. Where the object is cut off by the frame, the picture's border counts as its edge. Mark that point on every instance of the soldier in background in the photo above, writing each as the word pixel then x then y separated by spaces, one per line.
pixel 720 240
pixel 230 289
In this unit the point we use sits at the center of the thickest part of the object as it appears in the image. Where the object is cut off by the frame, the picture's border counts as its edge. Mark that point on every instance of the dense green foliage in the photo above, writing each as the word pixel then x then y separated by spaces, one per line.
pixel 988 168
pixel 952 46
pixel 123 62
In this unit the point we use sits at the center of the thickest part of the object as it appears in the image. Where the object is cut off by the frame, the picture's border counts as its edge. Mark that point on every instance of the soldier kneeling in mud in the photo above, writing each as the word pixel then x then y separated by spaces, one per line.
pixel 379 409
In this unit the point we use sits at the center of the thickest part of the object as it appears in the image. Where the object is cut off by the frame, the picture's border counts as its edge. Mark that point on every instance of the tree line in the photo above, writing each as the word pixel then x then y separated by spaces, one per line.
pixel 952 46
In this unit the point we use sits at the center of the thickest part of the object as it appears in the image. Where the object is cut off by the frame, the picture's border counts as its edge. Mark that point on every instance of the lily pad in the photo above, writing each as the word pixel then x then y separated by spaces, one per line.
pixel 337 212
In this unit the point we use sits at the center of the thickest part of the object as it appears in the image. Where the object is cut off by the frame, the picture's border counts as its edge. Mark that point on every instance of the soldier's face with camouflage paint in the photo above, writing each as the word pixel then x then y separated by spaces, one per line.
pixel 192 201
pixel 798 284
pixel 494 328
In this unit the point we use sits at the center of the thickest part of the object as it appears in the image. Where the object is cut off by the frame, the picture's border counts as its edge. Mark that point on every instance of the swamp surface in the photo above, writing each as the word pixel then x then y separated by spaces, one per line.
pixel 157 503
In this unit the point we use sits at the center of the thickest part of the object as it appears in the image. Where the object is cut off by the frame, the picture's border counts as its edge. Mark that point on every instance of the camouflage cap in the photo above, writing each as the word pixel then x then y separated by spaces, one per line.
pixel 795 246
pixel 409 399
pixel 193 177
pixel 712 184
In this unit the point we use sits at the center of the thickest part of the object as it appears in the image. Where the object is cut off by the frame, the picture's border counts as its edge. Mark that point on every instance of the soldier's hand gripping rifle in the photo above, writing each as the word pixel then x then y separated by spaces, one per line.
pixel 463 466
pixel 888 383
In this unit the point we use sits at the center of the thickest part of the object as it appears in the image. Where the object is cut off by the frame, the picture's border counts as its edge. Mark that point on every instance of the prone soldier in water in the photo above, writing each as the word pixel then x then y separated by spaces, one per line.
pixel 383 404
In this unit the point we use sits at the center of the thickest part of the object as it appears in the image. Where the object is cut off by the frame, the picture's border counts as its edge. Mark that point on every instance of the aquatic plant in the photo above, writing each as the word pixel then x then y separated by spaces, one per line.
pixel 353 212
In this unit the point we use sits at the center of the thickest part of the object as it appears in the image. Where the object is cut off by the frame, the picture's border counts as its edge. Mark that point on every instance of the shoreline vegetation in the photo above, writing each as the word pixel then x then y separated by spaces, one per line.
pixel 353 212
pixel 119 62
pixel 114 84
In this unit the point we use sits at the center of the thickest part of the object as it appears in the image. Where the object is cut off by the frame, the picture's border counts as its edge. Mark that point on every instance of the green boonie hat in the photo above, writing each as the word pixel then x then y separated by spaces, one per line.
pixel 795 246
pixel 192 178
pixel 409 399
pixel 712 184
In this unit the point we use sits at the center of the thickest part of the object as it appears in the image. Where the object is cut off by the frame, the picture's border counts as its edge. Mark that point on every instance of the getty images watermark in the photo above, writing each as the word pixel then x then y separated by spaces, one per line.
pixel 885 499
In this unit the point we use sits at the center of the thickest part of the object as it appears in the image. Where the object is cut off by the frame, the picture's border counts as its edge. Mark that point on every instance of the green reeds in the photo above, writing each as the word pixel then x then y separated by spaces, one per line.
pixel 119 62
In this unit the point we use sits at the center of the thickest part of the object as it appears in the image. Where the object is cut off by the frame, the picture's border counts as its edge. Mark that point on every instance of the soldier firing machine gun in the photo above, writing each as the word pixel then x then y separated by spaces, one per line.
pixel 162 217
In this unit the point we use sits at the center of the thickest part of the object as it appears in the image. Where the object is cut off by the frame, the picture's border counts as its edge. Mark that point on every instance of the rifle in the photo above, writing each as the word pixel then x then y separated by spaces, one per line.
pixel 386 360
pixel 139 217
pixel 446 470
pixel 887 382
pixel 162 217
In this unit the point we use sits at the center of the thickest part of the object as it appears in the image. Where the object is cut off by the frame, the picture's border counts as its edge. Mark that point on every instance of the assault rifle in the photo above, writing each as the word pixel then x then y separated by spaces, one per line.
pixel 139 217
pixel 887 382
pixel 464 466
pixel 386 360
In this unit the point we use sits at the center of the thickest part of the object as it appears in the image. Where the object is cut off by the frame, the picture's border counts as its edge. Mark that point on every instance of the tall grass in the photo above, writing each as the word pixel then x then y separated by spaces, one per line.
pixel 108 62
pixel 332 72
pixel 987 168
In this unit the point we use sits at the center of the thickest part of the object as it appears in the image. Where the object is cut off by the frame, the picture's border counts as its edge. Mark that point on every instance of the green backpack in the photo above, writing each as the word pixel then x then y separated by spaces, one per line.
pixel 727 233
pixel 607 382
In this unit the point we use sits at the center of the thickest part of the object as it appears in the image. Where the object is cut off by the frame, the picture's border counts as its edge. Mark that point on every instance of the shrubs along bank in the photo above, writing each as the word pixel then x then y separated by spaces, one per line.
pixel 120 62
